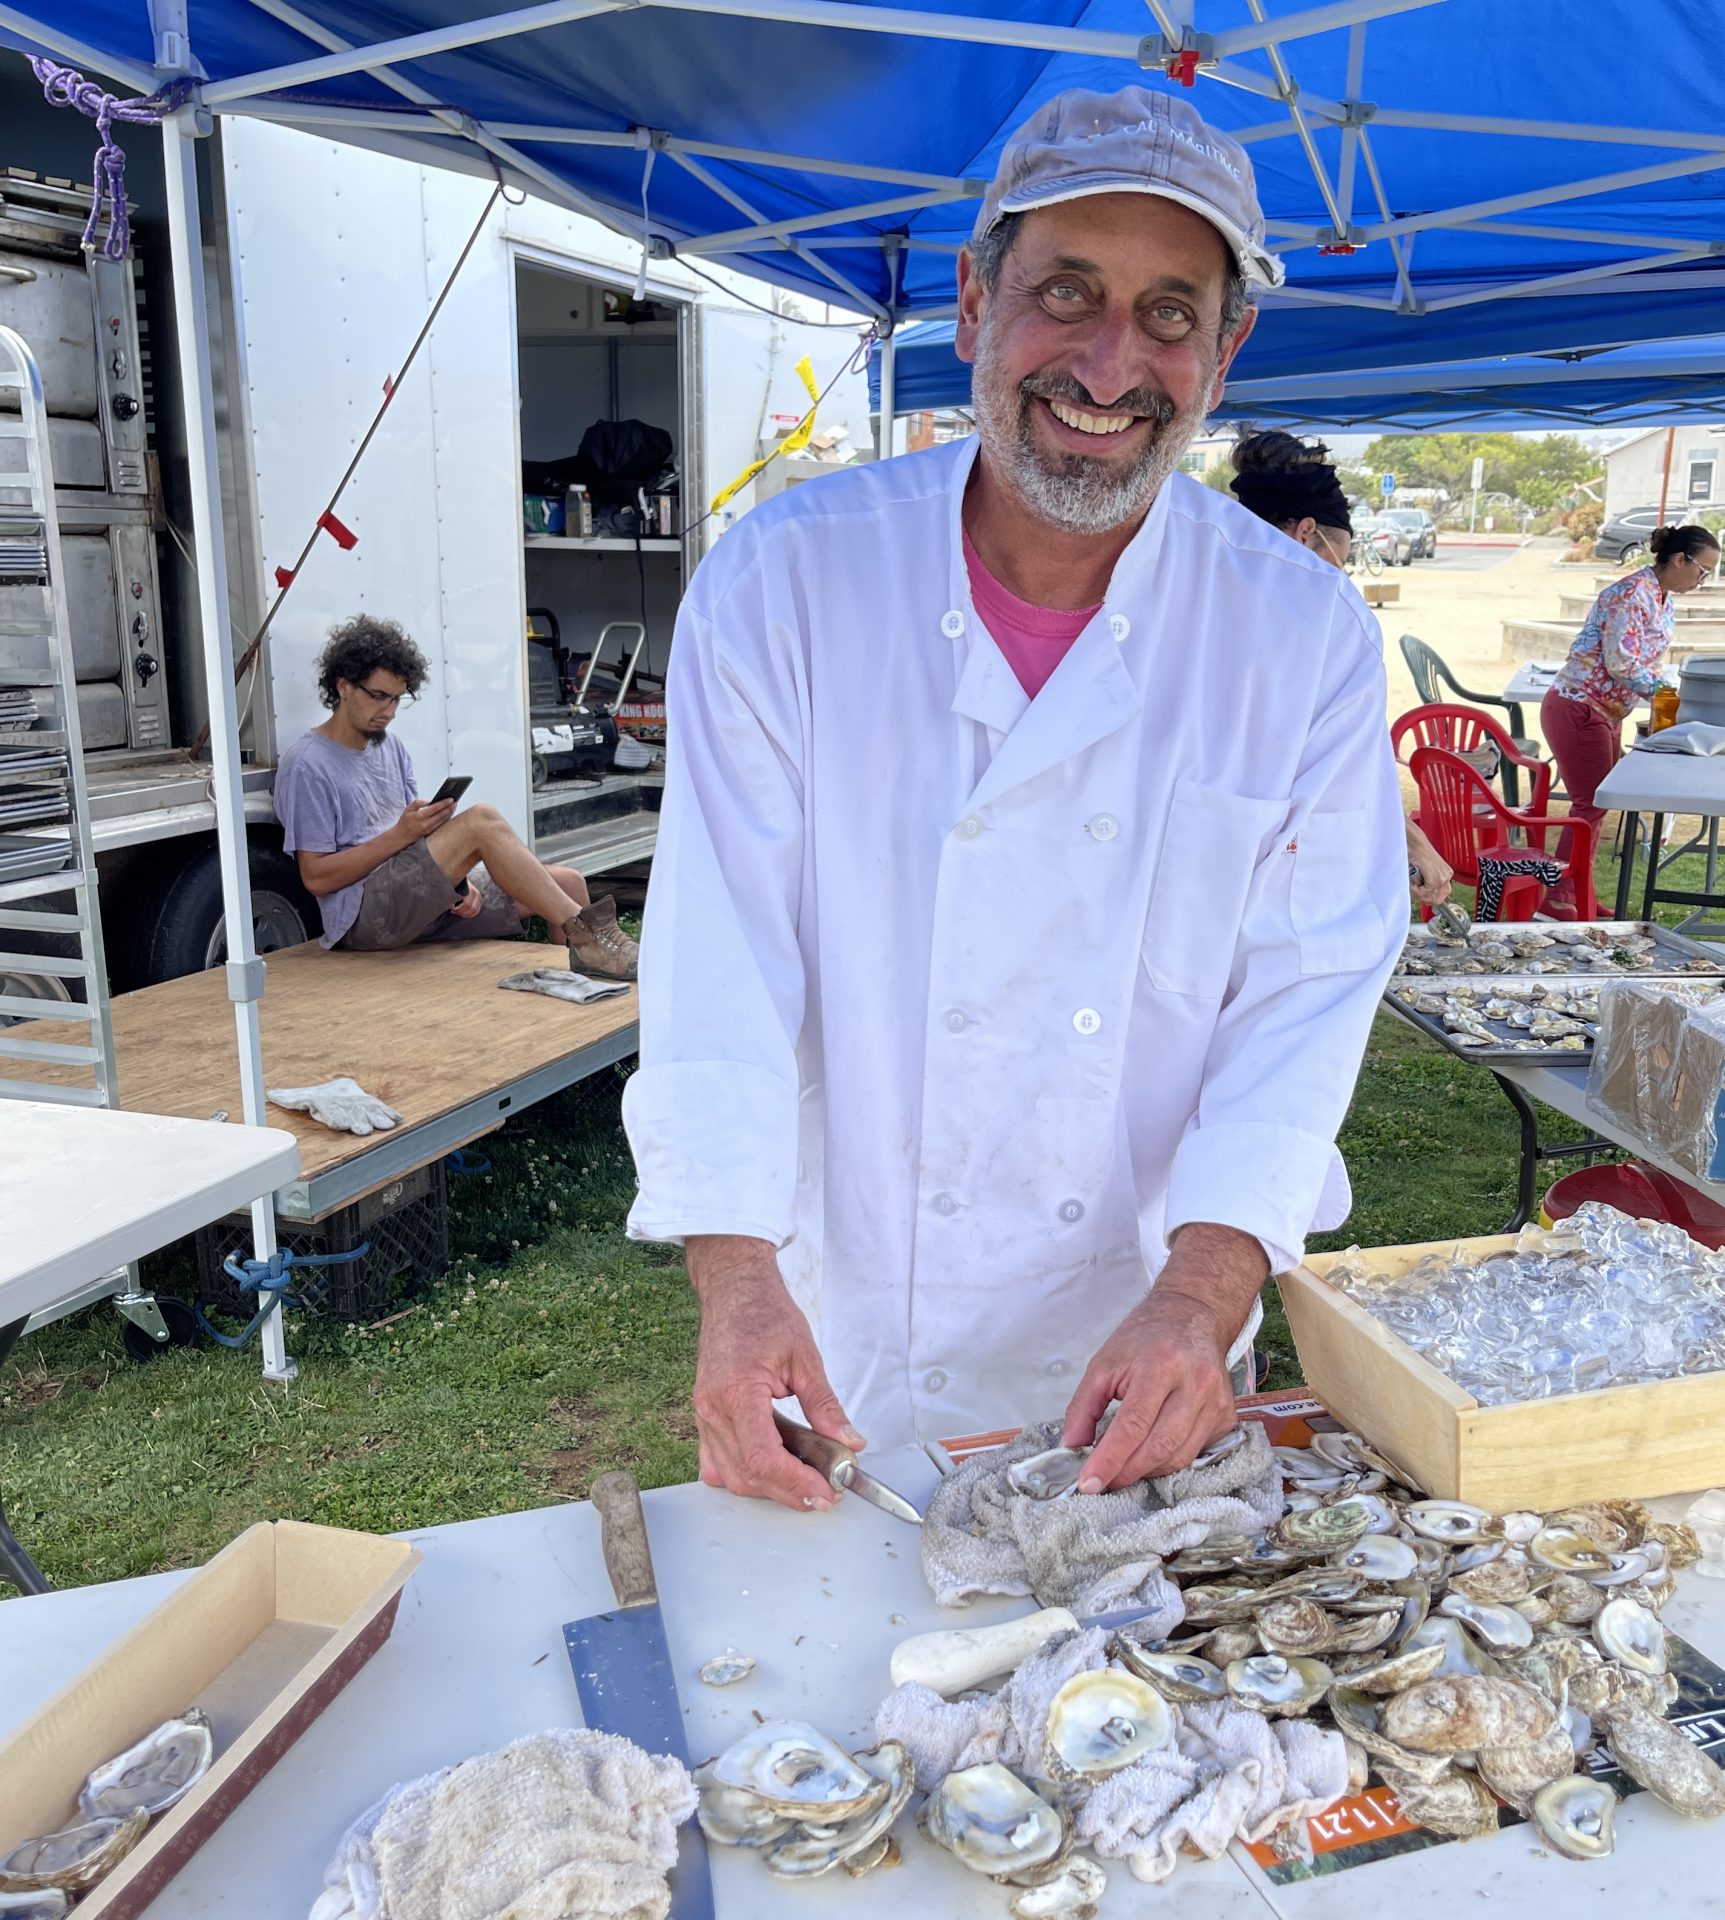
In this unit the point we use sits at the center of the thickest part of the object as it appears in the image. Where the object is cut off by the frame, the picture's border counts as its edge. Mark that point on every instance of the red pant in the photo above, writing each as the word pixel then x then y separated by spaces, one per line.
pixel 1585 745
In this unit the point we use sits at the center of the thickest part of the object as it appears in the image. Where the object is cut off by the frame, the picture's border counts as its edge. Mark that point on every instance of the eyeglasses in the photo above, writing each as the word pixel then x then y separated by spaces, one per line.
pixel 381 700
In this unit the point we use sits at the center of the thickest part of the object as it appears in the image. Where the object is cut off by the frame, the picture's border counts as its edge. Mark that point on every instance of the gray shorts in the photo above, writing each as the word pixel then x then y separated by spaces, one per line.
pixel 408 900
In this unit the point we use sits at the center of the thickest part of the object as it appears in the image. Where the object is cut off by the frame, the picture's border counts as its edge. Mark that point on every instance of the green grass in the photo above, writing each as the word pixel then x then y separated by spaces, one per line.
pixel 556 1348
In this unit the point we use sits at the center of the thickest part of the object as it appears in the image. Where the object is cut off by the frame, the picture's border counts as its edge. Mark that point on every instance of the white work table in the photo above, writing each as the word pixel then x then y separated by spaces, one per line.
pixel 477 1659
pixel 1664 784
pixel 85 1189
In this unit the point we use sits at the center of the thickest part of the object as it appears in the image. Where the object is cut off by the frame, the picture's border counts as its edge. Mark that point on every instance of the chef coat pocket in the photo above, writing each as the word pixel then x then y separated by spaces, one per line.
pixel 1210 848
pixel 1332 911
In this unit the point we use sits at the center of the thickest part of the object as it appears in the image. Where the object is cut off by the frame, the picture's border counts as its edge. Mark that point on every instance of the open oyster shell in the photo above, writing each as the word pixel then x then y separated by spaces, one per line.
pixel 1099 1722
pixel 43 1903
pixel 995 1824
pixel 1573 1817
pixel 807 1851
pixel 1174 1673
pixel 1276 1686
pixel 155 1774
pixel 799 1773
pixel 74 1858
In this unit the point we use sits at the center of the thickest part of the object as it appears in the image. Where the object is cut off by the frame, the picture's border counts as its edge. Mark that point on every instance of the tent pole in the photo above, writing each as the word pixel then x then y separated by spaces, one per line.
pixel 245 970
pixel 1665 478
pixel 888 394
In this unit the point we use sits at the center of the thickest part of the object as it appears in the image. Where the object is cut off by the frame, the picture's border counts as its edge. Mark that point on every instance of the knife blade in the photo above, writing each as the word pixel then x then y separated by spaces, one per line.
pixel 624 1675
pixel 838 1467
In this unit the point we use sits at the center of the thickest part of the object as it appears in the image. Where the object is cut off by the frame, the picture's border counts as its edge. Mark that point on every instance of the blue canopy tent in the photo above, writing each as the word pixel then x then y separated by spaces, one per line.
pixel 1443 177
pixel 1639 385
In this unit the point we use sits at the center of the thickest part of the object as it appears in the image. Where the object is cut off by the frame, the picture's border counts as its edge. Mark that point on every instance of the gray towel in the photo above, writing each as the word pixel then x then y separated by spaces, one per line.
pixel 1098 1553
pixel 1688 736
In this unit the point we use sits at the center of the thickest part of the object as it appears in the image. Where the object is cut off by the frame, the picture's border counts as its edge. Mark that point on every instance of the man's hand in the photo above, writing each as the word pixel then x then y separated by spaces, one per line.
pixel 756 1347
pixel 1167 1363
pixel 468 906
pixel 421 818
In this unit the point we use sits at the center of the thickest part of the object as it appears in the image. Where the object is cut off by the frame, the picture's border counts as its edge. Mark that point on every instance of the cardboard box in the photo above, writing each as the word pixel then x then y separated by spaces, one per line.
pixel 1631 1442
pixel 263 1638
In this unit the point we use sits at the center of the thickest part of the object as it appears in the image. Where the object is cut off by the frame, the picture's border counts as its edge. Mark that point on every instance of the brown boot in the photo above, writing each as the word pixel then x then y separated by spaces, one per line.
pixel 597 945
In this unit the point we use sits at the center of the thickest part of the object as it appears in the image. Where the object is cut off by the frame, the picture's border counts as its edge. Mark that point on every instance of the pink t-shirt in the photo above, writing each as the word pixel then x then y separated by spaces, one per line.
pixel 1033 639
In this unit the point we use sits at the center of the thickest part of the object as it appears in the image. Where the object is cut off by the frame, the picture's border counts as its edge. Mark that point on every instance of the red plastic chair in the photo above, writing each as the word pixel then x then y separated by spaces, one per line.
pixel 1463 818
pixel 1467 731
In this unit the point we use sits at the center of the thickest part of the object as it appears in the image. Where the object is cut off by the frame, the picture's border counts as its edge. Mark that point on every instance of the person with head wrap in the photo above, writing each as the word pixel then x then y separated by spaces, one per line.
pixel 1291 484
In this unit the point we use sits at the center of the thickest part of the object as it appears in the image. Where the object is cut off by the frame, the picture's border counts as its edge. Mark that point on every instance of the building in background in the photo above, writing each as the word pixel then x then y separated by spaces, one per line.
pixel 1635 470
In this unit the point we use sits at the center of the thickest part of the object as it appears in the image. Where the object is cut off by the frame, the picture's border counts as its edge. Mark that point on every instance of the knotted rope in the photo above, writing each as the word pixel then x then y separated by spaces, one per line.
pixel 67 87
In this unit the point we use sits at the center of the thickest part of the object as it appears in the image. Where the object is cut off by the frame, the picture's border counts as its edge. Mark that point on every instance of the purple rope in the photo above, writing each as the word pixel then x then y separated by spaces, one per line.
pixel 67 87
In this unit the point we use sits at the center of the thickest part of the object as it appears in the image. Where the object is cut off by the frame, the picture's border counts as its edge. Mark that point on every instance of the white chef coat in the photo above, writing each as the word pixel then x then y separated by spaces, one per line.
pixel 965 1001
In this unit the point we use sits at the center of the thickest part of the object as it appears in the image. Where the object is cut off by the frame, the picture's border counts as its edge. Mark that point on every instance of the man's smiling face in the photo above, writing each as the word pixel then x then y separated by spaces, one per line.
pixel 1098 353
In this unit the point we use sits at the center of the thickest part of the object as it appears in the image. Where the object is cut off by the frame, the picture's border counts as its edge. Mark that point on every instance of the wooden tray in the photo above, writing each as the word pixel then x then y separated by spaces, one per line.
pixel 1619 1442
pixel 263 1638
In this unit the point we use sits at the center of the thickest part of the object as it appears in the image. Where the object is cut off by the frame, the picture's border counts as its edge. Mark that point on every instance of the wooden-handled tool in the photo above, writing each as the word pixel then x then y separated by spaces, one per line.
pixel 623 1669
pixel 837 1466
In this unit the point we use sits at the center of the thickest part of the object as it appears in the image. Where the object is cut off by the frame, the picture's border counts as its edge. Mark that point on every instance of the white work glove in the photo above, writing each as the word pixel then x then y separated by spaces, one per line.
pixel 563 984
pixel 342 1104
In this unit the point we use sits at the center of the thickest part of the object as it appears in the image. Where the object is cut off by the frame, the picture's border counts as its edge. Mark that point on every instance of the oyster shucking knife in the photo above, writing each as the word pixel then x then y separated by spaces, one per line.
pixel 838 1467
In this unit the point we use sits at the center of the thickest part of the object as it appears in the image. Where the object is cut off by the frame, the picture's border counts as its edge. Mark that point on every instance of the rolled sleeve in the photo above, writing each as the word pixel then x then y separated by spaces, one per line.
pixel 1325 919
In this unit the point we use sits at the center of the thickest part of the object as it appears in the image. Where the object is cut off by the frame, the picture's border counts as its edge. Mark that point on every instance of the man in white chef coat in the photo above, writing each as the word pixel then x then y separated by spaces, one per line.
pixel 1028 870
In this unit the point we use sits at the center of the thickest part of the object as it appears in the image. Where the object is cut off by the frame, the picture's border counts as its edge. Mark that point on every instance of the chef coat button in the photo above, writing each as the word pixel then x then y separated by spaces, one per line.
pixel 1103 827
pixel 1087 1020
pixel 1057 1368
pixel 945 1204
pixel 1119 626
pixel 952 624
pixel 969 827
pixel 956 1022
pixel 1071 1210
pixel 934 1380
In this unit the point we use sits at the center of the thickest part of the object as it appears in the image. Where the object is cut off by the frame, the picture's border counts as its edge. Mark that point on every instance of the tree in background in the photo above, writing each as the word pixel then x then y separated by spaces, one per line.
pixel 1542 473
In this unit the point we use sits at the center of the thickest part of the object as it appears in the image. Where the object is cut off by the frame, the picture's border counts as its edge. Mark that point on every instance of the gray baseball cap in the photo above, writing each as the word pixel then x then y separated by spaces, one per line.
pixel 1133 141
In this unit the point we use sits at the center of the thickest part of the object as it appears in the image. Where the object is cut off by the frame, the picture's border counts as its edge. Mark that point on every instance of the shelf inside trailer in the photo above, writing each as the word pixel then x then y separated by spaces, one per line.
pixel 597 543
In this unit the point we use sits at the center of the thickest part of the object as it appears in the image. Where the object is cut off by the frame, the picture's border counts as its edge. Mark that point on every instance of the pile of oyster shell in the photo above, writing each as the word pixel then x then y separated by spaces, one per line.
pixel 806 1804
pixel 43 1878
pixel 1465 1657
pixel 1545 947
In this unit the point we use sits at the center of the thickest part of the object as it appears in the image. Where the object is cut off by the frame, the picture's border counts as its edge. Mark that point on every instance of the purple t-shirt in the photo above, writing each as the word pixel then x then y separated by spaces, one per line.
pixel 330 798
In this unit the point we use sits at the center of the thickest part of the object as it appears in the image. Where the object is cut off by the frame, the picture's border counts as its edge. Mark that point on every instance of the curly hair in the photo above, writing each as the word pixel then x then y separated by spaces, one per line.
pixel 362 645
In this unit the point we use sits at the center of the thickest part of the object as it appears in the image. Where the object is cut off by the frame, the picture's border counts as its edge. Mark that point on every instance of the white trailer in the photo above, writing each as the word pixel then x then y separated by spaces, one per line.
pixel 323 260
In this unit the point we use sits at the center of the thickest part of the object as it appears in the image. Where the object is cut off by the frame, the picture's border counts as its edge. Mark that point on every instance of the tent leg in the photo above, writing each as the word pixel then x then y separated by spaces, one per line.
pixel 244 969
pixel 888 395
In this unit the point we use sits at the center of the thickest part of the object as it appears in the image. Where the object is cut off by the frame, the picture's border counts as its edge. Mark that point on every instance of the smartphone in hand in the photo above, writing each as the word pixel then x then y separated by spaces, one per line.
pixel 452 789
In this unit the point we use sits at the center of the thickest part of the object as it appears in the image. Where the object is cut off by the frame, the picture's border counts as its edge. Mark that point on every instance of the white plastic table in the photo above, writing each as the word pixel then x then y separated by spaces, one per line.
pixel 1663 784
pixel 477 1659
pixel 86 1189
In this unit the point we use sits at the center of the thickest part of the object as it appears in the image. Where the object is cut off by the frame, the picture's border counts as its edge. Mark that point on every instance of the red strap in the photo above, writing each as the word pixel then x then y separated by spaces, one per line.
pixel 284 578
pixel 344 537
pixel 1184 67
pixel 388 389
pixel 1341 247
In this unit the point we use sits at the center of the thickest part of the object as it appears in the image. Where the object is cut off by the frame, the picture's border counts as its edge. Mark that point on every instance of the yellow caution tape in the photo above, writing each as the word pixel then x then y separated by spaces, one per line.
pixel 793 442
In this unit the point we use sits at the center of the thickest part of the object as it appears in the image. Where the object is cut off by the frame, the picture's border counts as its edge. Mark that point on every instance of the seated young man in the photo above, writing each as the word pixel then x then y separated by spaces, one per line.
pixel 389 868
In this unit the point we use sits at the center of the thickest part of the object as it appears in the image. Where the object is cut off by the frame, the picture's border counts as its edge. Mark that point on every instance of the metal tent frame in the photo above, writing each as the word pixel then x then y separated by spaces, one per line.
pixel 861 227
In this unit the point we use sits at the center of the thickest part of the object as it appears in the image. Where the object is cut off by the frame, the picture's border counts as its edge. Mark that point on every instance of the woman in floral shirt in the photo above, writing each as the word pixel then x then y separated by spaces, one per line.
pixel 1615 661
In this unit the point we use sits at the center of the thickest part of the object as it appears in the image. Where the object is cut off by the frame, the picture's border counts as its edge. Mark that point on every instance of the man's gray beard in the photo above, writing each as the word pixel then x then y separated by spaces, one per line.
pixel 1078 494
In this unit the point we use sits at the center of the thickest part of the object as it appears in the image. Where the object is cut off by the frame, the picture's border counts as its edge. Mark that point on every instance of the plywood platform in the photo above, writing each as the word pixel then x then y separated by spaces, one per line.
pixel 426 1029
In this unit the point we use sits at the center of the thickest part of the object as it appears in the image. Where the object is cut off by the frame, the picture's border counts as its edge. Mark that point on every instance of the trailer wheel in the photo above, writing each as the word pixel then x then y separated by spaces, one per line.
pixel 180 928
pixel 182 1325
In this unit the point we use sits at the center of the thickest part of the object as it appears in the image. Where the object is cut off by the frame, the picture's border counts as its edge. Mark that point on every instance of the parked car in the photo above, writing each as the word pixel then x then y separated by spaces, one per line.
pixel 1624 536
pixel 1420 525
pixel 1395 543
